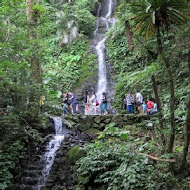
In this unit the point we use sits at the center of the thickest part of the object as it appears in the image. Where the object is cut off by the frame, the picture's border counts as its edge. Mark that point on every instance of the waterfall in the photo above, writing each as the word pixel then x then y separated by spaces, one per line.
pixel 51 150
pixel 38 170
pixel 110 8
pixel 104 21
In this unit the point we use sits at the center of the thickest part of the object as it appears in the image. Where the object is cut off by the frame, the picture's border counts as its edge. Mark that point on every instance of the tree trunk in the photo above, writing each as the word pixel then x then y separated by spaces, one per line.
pixel 157 98
pixel 128 33
pixel 172 93
pixel 187 130
pixel 32 19
pixel 35 66
pixel 172 109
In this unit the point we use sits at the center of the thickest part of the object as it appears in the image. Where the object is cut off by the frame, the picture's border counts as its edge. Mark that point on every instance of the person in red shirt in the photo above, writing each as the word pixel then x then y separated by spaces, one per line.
pixel 150 105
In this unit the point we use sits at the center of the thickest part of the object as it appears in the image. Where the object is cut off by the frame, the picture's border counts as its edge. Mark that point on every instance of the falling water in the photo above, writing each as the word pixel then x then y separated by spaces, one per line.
pixel 100 48
pixel 38 171
pixel 110 8
pixel 51 150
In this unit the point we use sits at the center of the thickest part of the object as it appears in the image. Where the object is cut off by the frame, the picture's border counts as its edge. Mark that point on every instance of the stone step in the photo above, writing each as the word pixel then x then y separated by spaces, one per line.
pixel 32 173
pixel 28 187
pixel 32 181
pixel 35 166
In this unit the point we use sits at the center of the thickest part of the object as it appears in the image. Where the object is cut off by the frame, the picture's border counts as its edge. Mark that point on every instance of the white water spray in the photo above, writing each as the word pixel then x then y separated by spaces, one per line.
pixel 110 8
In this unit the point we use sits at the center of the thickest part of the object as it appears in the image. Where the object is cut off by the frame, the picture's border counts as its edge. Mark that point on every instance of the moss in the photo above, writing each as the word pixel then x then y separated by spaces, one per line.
pixel 75 153
pixel 140 125
pixel 88 71
pixel 93 132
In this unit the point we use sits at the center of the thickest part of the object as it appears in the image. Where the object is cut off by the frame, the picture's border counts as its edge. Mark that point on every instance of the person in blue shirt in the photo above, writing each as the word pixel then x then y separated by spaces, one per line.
pixel 73 100
pixel 144 108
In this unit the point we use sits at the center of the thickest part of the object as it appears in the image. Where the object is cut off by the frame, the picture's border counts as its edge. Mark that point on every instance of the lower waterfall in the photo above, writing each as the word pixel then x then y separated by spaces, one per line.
pixel 38 169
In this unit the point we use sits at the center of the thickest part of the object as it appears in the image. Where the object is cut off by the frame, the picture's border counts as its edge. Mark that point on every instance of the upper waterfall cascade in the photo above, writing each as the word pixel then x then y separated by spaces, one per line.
pixel 104 19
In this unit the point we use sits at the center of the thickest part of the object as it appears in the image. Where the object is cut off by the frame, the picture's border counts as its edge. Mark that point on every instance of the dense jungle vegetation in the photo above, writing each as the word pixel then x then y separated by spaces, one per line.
pixel 45 49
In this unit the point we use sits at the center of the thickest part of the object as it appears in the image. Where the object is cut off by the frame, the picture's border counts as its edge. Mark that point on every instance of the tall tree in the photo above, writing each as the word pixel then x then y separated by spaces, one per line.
pixel 151 16
pixel 32 19
pixel 187 129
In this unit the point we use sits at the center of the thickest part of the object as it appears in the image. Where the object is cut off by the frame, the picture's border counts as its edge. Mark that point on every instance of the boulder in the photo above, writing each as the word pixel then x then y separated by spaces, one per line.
pixel 99 119
pixel 93 133
pixel 106 121
pixel 102 126
pixel 95 126
pixel 118 120
pixel 75 153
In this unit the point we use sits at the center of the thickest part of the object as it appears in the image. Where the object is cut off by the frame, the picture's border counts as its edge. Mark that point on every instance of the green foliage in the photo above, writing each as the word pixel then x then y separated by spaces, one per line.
pixel 112 131
pixel 152 14
pixel 86 4
pixel 9 160
pixel 115 167
pixel 86 21
pixel 17 138
pixel 69 68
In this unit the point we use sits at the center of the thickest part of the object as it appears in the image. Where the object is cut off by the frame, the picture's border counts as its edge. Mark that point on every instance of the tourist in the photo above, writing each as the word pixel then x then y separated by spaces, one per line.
pixel 104 103
pixel 65 104
pixel 114 111
pixel 94 102
pixel 155 108
pixel 72 98
pixel 87 102
pixel 129 100
pixel 144 108
pixel 139 101
pixel 150 104
pixel 42 103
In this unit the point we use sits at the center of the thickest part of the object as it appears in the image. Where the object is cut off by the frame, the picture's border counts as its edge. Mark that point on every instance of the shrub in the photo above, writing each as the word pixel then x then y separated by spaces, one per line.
pixel 115 167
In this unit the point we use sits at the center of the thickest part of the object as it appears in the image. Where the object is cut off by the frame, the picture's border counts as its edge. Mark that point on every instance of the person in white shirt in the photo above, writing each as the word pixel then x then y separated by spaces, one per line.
pixel 139 101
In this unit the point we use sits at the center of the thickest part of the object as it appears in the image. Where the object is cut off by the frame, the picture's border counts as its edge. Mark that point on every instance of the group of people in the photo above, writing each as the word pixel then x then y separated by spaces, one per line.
pixel 94 102
pixel 91 102
pixel 70 103
pixel 144 107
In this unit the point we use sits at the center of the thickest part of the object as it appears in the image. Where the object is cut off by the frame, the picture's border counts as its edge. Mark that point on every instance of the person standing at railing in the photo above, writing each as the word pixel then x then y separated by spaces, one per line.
pixel 87 102
pixel 139 101
pixel 129 100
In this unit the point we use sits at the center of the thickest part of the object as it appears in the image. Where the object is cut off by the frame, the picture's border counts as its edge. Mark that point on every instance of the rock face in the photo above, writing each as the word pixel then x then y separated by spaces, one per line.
pixel 84 122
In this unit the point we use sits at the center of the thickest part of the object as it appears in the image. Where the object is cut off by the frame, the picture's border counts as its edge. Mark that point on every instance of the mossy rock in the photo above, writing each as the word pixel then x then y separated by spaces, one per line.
pixel 99 119
pixel 93 133
pixel 84 126
pixel 95 126
pixel 107 121
pixel 75 153
pixel 118 120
